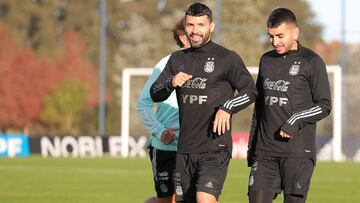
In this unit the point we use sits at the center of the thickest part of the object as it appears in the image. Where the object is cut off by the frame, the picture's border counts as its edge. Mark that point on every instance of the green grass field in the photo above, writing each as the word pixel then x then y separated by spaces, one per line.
pixel 115 180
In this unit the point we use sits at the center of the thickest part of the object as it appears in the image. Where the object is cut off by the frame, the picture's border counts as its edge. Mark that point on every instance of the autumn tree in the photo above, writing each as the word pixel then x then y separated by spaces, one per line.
pixel 354 59
pixel 73 99
pixel 25 80
pixel 64 106
pixel 31 86
pixel 73 64
pixel 329 51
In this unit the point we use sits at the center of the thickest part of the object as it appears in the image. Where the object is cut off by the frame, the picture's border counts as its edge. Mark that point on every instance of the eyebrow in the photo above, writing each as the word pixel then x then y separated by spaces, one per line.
pixel 275 34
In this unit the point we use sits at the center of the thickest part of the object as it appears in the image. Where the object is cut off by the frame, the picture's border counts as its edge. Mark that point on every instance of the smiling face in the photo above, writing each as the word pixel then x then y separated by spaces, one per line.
pixel 198 29
pixel 283 37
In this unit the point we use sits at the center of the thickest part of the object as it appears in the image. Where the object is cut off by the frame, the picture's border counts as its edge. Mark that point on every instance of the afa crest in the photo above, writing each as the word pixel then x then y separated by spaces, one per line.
pixel 209 65
pixel 295 68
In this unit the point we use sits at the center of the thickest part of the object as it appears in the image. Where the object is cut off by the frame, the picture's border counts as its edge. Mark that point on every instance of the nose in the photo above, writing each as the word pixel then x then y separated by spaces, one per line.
pixel 195 29
pixel 275 41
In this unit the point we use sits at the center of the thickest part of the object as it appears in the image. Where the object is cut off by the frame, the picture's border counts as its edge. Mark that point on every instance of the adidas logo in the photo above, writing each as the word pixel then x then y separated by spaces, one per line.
pixel 209 185
pixel 178 190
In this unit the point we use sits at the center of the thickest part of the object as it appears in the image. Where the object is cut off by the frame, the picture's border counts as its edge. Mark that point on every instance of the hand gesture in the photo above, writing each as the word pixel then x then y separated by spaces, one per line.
pixel 168 136
pixel 180 79
pixel 221 122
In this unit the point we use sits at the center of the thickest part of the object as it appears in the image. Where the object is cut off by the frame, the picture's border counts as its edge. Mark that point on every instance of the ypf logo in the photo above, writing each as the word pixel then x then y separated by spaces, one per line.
pixel 14 145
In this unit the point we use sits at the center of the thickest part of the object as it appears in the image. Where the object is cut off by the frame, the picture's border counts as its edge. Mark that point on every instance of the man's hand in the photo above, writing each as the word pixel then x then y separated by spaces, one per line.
pixel 180 79
pixel 221 122
pixel 284 134
pixel 168 135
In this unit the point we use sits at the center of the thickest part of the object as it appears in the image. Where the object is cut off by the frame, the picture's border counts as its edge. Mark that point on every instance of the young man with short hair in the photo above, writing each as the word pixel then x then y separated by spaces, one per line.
pixel 294 94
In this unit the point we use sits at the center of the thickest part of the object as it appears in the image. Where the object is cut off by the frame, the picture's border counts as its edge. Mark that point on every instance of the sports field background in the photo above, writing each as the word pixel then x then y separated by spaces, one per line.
pixel 117 180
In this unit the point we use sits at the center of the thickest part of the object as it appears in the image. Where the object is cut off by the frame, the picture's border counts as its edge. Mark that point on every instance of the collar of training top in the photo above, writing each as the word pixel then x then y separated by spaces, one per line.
pixel 293 52
pixel 204 47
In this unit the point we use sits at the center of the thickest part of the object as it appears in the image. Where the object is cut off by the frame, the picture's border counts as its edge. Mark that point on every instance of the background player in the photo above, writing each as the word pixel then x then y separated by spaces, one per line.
pixel 163 127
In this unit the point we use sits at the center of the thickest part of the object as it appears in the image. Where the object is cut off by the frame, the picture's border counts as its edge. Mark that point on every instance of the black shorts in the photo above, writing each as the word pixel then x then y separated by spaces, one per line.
pixel 200 172
pixel 276 174
pixel 163 164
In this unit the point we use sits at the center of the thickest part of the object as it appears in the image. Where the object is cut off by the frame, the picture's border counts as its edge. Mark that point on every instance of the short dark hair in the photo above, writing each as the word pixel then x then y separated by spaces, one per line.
pixel 279 16
pixel 179 29
pixel 199 9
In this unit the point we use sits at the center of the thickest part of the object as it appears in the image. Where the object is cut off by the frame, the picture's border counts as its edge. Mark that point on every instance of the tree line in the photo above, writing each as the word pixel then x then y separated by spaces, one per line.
pixel 49 54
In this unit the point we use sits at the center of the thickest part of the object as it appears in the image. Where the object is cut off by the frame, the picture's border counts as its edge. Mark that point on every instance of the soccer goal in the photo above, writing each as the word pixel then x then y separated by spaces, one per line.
pixel 335 77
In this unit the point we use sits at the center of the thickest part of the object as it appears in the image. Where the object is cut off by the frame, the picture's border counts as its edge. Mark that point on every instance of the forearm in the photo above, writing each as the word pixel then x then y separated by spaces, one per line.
pixel 308 116
pixel 241 101
pixel 152 125
pixel 161 90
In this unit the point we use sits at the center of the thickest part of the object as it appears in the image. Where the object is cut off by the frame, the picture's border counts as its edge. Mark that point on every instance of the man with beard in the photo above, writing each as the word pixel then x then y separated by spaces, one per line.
pixel 205 77
pixel 294 94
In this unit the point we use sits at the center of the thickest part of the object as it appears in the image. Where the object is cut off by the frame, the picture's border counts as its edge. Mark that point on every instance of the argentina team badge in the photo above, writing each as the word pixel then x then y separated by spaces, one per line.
pixel 209 65
pixel 295 68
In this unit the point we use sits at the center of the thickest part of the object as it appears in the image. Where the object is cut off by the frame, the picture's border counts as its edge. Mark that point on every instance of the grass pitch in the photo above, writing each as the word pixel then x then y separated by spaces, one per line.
pixel 110 180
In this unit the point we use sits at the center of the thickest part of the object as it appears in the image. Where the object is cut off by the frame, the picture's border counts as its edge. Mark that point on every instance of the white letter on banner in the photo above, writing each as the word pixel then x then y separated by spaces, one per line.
pixel 3 145
pixel 71 141
pixel 48 147
pixel 115 146
pixel 86 146
pixel 14 146
pixel 99 146
pixel 137 148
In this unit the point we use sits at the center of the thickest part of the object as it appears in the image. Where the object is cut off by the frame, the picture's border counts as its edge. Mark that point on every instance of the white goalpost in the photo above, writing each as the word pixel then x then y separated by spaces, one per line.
pixel 125 104
pixel 336 104
pixel 337 112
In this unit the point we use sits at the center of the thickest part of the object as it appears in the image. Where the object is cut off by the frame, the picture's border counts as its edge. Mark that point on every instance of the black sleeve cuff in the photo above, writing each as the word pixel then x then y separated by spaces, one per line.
pixel 170 86
pixel 292 130
pixel 225 109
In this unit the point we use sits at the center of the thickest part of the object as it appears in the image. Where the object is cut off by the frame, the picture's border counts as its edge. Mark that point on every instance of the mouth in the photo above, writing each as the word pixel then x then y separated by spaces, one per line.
pixel 196 38
pixel 279 49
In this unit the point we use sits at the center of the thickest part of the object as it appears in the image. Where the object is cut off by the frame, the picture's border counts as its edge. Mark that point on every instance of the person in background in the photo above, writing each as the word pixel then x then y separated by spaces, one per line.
pixel 293 95
pixel 162 126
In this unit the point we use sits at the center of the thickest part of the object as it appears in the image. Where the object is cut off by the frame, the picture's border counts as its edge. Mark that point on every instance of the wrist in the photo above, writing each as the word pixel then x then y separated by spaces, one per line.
pixel 172 83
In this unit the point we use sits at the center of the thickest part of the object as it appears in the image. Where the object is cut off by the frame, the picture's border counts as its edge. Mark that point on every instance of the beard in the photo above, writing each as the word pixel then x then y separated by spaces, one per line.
pixel 285 47
pixel 199 40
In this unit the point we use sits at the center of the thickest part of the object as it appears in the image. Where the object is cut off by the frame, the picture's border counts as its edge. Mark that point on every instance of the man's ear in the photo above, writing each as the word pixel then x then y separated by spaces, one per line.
pixel 212 26
pixel 296 33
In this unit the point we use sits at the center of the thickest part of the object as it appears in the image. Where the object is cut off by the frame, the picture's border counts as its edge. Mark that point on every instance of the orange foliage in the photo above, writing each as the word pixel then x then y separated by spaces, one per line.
pixel 27 79
pixel 328 51
pixel 74 65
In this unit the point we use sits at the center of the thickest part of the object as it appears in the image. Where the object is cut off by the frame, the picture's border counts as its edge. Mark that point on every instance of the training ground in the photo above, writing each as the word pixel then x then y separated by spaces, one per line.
pixel 117 180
